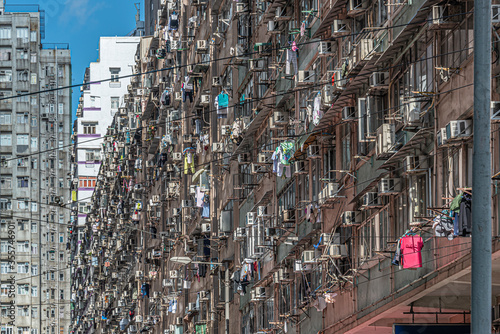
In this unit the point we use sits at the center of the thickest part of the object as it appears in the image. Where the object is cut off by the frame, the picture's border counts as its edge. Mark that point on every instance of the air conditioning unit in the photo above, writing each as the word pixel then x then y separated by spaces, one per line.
pixel 335 251
pixel 288 215
pixel 280 118
pixel 204 295
pixel 300 167
pixel 339 26
pixel 251 218
pixel 364 48
pixel 461 128
pixel 155 198
pixel 257 169
pixel 306 77
pixel 302 267
pixel 388 186
pixel 418 163
pixel 378 79
pixel 269 233
pixel 240 7
pixel 191 307
pixel 140 92
pixel 438 14
pixel 205 100
pixel 313 152
pixel 350 218
pixel 201 46
pixel 156 294
pixel 326 48
pixel 331 190
pixel 356 5
pixel 239 234
pixel 326 96
pixel 176 212
pixel 257 65
pixel 173 274
pixel 262 211
pixel 385 139
pixel 411 113
pixel 495 110
pixel 167 282
pixel 186 203
pixel 243 157
pixel 178 321
pixel 441 136
pixel 258 293
pixel 187 139
pixel 225 130
pixel 218 147
pixel 338 82
pixel 138 318
pixel 139 274
pixel 216 82
pixel 205 228
pixel 308 257
pixel 264 158
pixel 348 113
pixel 177 156
pixel 370 199
pixel 271 26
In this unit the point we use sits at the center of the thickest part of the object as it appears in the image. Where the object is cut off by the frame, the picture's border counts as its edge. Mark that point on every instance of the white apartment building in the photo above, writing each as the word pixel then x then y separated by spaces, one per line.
pixel 99 102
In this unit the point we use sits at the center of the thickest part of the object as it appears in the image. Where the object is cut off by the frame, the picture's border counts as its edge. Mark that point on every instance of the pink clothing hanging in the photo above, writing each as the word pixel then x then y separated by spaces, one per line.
pixel 411 247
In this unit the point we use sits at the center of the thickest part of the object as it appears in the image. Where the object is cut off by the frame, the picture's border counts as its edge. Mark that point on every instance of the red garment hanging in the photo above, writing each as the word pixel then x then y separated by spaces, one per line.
pixel 411 247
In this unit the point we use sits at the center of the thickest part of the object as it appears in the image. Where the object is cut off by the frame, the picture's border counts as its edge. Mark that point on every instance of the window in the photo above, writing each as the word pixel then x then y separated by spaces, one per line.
pixel 60 71
pixel 61 294
pixel 52 256
pixel 22 118
pixel 34 162
pixel 92 155
pixel 34 249
pixel 33 78
pixel 4 290
pixel 4 246
pixel 34 313
pixel 6 139
pixel 33 58
pixel 61 236
pixel 23 246
pixel 34 143
pixel 22 225
pixel 34 291
pixel 22 97
pixel 5 118
pixel 89 128
pixel 22 33
pixel 34 207
pixel 5 75
pixel 61 256
pixel 22 204
pixel 5 268
pixel 60 108
pixel 87 182
pixel 52 296
pixel 6 329
pixel 5 182
pixel 34 270
pixel 5 54
pixel 23 267
pixel 5 204
pixel 23 139
pixel 61 277
pixel 22 75
pixel 115 73
pixel 23 330
pixel 5 33
pixel 33 36
pixel 23 181
pixel 22 162
pixel 34 228
pixel 23 289
pixel 115 102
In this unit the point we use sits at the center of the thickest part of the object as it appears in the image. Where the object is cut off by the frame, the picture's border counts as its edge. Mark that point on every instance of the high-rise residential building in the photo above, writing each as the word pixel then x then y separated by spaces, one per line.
pixel 35 134
pixel 151 16
pixel 99 102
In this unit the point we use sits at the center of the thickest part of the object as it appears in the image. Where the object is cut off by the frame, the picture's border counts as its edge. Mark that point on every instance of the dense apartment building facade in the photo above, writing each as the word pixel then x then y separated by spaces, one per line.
pixel 35 135
pixel 289 167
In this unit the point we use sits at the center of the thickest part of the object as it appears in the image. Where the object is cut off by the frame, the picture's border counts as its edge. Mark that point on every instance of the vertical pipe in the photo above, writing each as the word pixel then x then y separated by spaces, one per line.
pixel 481 169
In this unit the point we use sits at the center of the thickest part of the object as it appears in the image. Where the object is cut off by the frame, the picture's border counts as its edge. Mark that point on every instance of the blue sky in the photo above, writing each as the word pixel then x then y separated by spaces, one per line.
pixel 80 23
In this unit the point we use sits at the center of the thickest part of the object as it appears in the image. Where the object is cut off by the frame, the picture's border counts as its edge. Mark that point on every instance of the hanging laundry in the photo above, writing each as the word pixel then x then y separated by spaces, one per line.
pixel 221 104
pixel 166 97
pixel 291 59
pixel 173 22
pixel 443 226
pixel 317 112
pixel 411 246
pixel 189 160
pixel 302 28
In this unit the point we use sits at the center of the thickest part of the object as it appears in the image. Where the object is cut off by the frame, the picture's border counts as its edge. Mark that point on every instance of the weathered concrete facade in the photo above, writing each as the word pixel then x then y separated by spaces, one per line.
pixel 368 106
